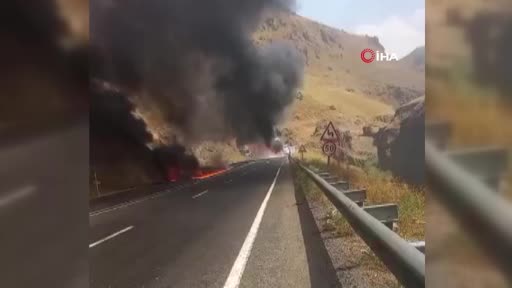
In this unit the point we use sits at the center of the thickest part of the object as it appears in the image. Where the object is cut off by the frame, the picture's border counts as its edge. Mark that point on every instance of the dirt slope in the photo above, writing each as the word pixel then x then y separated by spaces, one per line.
pixel 338 86
pixel 415 59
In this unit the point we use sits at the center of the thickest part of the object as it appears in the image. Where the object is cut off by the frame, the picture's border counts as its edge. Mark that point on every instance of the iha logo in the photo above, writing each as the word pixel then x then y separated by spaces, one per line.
pixel 368 56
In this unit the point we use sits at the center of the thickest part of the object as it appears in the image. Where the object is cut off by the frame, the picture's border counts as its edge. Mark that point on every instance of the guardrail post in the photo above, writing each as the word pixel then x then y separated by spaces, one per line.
pixel 487 164
pixel 401 258
pixel 485 215
pixel 330 178
pixel 439 132
pixel 420 245
pixel 358 196
pixel 385 213
pixel 340 185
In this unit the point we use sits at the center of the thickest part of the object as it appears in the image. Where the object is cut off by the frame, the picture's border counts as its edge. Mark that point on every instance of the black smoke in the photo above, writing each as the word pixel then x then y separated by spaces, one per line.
pixel 175 157
pixel 112 115
pixel 195 61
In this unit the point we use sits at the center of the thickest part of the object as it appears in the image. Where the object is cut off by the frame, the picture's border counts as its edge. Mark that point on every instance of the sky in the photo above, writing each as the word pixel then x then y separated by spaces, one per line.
pixel 399 24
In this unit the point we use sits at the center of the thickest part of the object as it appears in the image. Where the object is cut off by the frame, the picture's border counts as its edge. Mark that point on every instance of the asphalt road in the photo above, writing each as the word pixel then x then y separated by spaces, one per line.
pixel 44 209
pixel 244 228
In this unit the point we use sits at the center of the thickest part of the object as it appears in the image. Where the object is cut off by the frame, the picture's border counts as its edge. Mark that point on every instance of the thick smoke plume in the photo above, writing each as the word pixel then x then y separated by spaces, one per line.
pixel 111 113
pixel 195 61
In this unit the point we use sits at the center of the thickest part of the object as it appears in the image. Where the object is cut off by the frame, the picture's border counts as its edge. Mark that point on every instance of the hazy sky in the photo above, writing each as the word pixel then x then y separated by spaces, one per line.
pixel 399 24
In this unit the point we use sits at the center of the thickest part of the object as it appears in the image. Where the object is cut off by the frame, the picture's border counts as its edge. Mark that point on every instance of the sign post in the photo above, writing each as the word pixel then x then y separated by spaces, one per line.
pixel 330 138
pixel 329 150
pixel 97 184
pixel 302 150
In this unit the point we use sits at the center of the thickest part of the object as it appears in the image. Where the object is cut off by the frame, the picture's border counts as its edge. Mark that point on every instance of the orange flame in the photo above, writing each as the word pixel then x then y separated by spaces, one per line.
pixel 204 175
pixel 173 174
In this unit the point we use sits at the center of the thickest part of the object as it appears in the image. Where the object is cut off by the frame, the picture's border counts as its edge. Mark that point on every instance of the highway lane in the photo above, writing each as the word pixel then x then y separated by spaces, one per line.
pixel 288 251
pixel 200 236
pixel 43 209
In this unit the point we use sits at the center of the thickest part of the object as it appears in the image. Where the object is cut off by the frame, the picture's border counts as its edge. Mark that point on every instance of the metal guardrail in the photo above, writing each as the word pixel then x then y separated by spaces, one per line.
pixel 439 132
pixel 465 181
pixel 385 213
pixel 401 258
pixel 484 214
pixel 486 164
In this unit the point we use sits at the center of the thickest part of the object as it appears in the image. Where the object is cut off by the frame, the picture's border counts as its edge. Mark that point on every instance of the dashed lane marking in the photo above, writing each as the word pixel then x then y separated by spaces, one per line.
pixel 200 194
pixel 111 236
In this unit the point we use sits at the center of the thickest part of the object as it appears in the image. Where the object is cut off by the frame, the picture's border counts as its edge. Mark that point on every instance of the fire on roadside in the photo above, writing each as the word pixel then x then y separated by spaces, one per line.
pixel 175 173
pixel 204 173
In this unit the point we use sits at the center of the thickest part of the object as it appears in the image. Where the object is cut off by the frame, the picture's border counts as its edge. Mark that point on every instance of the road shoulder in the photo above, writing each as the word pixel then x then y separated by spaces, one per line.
pixel 287 252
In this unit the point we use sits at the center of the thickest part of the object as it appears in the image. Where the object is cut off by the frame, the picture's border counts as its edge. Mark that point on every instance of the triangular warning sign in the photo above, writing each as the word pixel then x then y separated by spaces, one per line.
pixel 330 134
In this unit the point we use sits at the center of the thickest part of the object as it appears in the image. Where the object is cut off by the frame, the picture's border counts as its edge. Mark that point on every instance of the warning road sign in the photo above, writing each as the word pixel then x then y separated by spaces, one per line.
pixel 329 148
pixel 330 134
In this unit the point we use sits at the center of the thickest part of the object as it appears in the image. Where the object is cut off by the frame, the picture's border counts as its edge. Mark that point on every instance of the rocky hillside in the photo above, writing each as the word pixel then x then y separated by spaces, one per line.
pixel 400 144
pixel 333 56
pixel 415 60
pixel 338 86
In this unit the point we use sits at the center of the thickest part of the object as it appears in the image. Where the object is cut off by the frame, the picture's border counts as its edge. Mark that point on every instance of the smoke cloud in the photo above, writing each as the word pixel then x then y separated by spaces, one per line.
pixel 111 113
pixel 195 61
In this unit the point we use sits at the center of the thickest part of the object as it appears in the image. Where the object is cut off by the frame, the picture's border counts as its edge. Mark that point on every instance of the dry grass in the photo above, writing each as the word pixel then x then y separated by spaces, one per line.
pixel 490 125
pixel 337 85
pixel 333 221
pixel 382 188
pixel 324 100
pixel 328 91
pixel 357 255
pixel 336 58
pixel 478 117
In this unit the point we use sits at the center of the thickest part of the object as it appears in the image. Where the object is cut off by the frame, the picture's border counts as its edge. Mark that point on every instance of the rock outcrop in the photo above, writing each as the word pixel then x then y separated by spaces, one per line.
pixel 401 143
pixel 370 130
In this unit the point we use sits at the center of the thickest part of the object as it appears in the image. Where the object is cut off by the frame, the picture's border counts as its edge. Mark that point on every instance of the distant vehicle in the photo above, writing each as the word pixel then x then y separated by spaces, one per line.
pixel 245 151
pixel 288 149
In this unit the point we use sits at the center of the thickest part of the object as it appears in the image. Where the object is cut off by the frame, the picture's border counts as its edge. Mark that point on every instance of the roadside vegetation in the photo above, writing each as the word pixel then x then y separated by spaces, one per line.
pixel 488 128
pixel 381 188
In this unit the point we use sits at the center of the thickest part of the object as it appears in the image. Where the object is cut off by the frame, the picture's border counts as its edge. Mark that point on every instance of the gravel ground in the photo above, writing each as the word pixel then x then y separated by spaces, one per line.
pixel 355 264
pixel 452 260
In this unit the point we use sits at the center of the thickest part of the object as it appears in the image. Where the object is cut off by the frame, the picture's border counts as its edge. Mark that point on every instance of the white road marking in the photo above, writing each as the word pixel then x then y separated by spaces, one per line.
pixel 160 194
pixel 111 236
pixel 16 195
pixel 127 204
pixel 233 280
pixel 130 203
pixel 200 194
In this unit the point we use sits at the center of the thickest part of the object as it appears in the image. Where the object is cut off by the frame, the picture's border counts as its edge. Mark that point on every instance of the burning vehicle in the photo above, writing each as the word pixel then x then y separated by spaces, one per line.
pixel 209 81
pixel 178 165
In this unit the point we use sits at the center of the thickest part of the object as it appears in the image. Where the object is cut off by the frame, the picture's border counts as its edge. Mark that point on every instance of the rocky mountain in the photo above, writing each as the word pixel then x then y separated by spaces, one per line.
pixel 415 60
pixel 401 145
pixel 338 86
pixel 334 55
